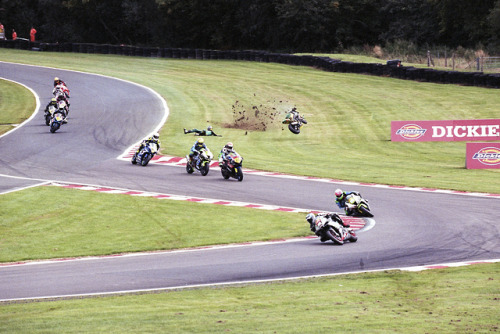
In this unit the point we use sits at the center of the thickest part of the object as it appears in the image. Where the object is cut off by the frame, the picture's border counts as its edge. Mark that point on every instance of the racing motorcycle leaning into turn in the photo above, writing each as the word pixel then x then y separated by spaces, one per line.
pixel 145 154
pixel 355 205
pixel 331 227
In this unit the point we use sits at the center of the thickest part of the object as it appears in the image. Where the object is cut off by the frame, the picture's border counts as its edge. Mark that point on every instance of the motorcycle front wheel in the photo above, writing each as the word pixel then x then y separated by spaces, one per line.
pixel 204 169
pixel 365 211
pixel 294 128
pixel 145 159
pixel 239 174
pixel 54 127
pixel 333 237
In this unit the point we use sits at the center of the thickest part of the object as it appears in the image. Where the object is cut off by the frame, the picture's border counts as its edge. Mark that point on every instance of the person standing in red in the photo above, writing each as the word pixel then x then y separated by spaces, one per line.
pixel 32 34
pixel 14 35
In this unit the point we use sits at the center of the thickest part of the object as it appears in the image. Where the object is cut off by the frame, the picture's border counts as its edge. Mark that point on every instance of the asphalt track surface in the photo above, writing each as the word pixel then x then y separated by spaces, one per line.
pixel 108 116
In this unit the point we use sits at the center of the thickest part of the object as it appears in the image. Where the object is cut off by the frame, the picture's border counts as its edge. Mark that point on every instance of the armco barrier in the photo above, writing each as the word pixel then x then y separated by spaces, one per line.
pixel 323 63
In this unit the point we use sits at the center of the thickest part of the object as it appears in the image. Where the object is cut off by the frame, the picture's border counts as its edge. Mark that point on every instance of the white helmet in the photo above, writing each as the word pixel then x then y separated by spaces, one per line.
pixel 156 136
pixel 310 217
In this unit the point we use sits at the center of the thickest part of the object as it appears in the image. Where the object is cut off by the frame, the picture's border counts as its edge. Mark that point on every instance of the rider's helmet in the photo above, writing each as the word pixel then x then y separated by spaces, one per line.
pixel 229 146
pixel 310 218
pixel 294 109
pixel 339 194
pixel 56 81
pixel 200 141
pixel 209 128
pixel 53 99
pixel 156 136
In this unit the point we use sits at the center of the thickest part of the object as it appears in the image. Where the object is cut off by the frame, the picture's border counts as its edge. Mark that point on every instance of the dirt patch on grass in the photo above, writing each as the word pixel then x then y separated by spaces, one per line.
pixel 259 116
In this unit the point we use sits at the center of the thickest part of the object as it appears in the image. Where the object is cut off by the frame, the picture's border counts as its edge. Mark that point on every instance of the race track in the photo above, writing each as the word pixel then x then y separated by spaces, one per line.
pixel 108 116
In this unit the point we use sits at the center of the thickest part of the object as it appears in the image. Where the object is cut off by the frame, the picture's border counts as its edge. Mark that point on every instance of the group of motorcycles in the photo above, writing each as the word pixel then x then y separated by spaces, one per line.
pixel 57 110
pixel 229 167
pixel 329 229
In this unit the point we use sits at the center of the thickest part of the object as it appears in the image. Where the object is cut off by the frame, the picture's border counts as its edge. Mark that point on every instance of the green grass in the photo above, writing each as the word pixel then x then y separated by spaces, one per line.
pixel 348 135
pixel 16 104
pixel 83 223
pixel 455 300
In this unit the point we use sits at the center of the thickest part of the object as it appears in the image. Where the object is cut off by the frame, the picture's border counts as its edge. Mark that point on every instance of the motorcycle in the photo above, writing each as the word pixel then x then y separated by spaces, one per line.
pixel 200 163
pixel 356 205
pixel 329 229
pixel 231 167
pixel 145 154
pixel 48 114
pixel 56 120
pixel 295 123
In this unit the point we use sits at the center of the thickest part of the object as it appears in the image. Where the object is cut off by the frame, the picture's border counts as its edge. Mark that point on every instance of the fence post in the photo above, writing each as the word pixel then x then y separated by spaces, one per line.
pixel 445 59
pixel 453 60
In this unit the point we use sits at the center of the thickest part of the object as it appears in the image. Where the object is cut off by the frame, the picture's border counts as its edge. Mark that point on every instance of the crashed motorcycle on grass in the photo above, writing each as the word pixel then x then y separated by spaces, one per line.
pixel 232 167
pixel 355 205
pixel 200 163
pixel 295 122
pixel 329 229
pixel 145 154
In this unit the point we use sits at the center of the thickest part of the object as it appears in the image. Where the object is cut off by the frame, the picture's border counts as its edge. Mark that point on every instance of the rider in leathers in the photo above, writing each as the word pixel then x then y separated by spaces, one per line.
pixel 196 149
pixel 153 139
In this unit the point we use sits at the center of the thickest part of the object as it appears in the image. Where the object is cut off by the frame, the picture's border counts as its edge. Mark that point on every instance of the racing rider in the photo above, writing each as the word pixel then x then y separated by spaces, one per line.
pixel 224 153
pixel 196 149
pixel 340 197
pixel 208 132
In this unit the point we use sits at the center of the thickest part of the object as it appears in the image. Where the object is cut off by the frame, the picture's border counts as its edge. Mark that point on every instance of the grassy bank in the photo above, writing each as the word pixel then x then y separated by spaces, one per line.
pixel 87 223
pixel 16 104
pixel 455 300
pixel 348 135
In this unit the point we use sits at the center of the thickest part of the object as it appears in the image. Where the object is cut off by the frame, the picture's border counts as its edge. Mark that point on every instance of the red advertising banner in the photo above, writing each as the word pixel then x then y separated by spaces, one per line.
pixel 457 130
pixel 482 156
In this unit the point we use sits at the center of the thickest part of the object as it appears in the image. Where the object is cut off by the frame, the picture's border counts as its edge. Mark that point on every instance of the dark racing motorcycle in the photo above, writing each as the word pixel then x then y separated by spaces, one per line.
pixel 231 167
pixel 355 205
pixel 295 122
pixel 145 154
pixel 329 229
pixel 201 162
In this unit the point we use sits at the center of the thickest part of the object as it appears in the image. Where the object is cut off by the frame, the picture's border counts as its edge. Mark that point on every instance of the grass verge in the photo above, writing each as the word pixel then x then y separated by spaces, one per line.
pixel 454 300
pixel 16 105
pixel 83 223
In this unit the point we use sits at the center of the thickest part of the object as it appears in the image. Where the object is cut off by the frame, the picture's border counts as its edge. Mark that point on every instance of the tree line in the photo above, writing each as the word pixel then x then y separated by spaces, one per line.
pixel 272 25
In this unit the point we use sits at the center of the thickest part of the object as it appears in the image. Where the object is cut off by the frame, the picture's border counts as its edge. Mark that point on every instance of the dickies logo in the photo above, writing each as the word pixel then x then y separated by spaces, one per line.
pixel 411 131
pixel 488 156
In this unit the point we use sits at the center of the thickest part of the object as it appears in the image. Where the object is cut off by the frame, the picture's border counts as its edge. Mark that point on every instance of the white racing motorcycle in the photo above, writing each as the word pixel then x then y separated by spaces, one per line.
pixel 329 229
